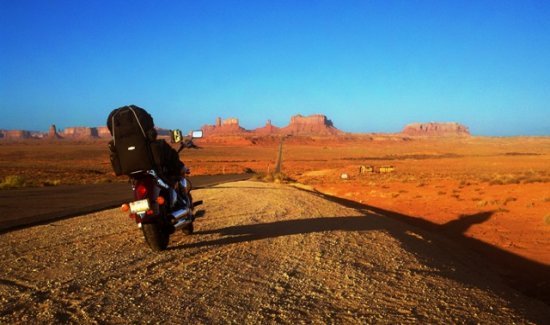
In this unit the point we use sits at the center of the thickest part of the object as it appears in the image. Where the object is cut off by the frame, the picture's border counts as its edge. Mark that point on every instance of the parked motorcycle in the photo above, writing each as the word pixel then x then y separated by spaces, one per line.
pixel 160 209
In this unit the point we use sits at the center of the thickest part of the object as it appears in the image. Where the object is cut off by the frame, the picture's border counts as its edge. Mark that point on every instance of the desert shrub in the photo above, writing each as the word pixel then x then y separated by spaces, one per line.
pixel 464 183
pixel 509 199
pixel 523 178
pixel 482 203
pixel 49 182
pixel 499 179
pixel 273 177
pixel 13 181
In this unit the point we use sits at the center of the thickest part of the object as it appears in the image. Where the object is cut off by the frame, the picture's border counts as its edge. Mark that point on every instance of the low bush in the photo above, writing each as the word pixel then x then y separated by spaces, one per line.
pixel 13 181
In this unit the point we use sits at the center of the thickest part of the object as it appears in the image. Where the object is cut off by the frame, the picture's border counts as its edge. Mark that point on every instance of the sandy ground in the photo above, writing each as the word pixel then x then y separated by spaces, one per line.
pixel 498 186
pixel 263 253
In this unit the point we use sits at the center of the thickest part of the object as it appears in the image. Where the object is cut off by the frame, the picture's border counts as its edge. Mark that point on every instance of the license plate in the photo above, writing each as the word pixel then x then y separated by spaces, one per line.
pixel 139 206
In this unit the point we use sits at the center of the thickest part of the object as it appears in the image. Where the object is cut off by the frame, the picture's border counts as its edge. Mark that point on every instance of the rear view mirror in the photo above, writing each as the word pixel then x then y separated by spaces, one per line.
pixel 196 134
pixel 175 136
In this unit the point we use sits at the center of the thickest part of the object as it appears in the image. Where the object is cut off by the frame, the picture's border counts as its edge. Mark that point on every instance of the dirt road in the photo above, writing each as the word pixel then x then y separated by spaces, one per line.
pixel 263 253
pixel 30 206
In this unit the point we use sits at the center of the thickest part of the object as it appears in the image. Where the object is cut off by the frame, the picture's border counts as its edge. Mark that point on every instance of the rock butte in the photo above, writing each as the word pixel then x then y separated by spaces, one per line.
pixel 312 125
pixel 436 129
pixel 299 125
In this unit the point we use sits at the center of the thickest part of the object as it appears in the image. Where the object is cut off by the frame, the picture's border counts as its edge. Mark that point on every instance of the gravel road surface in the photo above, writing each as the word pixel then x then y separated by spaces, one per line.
pixel 263 253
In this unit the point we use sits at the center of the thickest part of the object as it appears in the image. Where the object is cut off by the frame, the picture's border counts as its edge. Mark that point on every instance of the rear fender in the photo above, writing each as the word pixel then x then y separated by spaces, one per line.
pixel 151 193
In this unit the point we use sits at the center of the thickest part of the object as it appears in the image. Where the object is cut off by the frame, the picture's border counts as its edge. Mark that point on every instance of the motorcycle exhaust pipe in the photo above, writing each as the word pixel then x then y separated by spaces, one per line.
pixel 181 223
pixel 178 214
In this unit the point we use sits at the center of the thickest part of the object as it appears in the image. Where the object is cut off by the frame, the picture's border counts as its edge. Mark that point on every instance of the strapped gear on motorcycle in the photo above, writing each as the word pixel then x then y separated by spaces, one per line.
pixel 135 147
pixel 130 147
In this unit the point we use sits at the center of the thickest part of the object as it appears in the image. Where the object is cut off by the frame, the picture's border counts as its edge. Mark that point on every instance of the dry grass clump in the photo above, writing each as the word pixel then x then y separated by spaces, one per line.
pixel 482 203
pixel 273 178
pixel 521 178
pixel 13 181
pixel 50 182
pixel 509 199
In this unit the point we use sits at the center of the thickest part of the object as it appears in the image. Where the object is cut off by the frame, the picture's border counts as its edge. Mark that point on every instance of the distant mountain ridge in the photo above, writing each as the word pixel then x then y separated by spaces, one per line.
pixel 299 125
pixel 439 129
pixel 316 124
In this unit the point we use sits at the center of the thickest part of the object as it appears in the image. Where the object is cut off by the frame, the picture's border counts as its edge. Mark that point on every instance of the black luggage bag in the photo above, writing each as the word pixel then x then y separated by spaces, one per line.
pixel 130 147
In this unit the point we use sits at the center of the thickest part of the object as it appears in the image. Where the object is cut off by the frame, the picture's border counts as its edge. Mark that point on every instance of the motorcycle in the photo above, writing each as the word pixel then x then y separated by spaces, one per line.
pixel 160 209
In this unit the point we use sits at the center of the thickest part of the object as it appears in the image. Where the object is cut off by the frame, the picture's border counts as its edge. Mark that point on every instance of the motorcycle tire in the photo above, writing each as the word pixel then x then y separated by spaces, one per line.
pixel 155 236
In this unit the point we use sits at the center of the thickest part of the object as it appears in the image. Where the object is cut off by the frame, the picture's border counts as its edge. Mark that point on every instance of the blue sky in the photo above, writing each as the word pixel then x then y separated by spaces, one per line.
pixel 370 66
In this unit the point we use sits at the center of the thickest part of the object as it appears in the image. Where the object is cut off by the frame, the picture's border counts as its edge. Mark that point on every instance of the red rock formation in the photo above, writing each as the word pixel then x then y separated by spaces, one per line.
pixel 441 129
pixel 80 132
pixel 103 132
pixel 16 134
pixel 267 129
pixel 316 124
pixel 299 125
pixel 225 127
pixel 52 133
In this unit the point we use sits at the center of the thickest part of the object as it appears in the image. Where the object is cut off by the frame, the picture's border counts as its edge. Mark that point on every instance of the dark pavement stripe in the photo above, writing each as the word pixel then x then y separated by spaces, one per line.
pixel 24 207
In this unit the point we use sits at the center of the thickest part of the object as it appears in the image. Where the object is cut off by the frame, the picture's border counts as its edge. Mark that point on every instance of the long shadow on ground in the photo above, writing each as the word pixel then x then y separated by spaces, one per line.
pixel 528 276
pixel 525 275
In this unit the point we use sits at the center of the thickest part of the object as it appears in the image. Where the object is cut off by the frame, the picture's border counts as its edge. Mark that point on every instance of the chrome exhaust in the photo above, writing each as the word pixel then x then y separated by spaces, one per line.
pixel 178 214
pixel 180 218
pixel 182 223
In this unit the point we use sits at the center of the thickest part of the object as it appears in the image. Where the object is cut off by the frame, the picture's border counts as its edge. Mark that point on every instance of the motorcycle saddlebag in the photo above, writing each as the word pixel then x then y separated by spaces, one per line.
pixel 130 150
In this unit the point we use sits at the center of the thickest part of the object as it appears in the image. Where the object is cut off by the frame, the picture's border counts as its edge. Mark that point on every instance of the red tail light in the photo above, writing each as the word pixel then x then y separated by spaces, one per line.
pixel 141 191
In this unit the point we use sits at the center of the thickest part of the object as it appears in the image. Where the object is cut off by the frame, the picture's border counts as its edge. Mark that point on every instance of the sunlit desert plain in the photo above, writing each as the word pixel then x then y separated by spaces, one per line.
pixel 492 189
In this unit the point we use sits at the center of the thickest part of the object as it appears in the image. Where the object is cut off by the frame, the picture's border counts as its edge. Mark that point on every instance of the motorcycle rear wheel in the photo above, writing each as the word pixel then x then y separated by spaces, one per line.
pixel 155 236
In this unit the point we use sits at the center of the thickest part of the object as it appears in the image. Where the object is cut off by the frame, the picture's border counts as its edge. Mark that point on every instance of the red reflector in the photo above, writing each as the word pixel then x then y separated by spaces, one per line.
pixel 125 207
pixel 160 200
pixel 141 190
pixel 149 212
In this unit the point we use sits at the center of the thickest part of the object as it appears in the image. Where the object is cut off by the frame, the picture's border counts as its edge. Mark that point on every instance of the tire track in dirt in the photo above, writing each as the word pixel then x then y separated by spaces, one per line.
pixel 262 253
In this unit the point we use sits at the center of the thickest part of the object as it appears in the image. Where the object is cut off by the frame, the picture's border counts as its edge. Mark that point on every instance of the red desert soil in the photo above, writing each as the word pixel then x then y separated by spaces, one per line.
pixel 499 185
pixel 263 253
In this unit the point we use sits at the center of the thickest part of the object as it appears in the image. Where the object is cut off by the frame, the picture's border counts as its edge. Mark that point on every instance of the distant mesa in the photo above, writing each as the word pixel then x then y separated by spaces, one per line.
pixel 307 126
pixel 316 124
pixel 84 133
pixel 76 133
pixel 103 132
pixel 80 132
pixel 299 125
pixel 223 127
pixel 15 134
pixel 437 129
